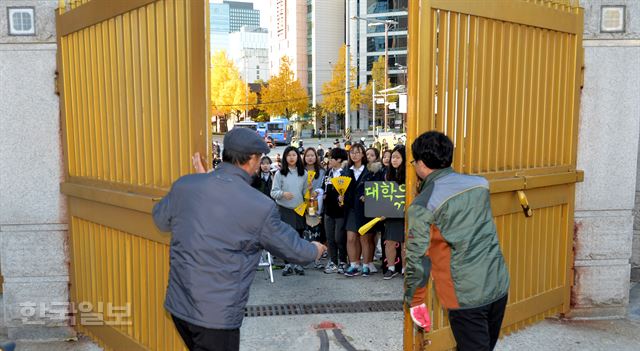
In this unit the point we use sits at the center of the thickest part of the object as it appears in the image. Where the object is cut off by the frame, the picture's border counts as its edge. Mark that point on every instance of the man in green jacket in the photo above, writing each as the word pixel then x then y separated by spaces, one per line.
pixel 452 237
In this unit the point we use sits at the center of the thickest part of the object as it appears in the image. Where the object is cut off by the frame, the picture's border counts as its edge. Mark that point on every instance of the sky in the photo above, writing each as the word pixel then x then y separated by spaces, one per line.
pixel 262 5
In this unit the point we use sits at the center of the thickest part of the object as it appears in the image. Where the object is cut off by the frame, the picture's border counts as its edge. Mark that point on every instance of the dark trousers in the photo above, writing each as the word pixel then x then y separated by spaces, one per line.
pixel 336 239
pixel 203 339
pixel 478 328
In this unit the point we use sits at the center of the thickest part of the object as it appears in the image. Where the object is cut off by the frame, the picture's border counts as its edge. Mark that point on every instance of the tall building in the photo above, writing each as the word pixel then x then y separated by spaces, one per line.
pixel 310 33
pixel 367 43
pixel 326 35
pixel 288 36
pixel 219 26
pixel 249 50
pixel 229 17
pixel 368 39
pixel 242 14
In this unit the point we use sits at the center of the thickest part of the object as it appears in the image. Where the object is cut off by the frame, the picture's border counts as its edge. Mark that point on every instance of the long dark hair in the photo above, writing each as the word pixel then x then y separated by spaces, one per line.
pixel 384 153
pixel 265 158
pixel 284 170
pixel 316 166
pixel 375 152
pixel 362 150
pixel 397 174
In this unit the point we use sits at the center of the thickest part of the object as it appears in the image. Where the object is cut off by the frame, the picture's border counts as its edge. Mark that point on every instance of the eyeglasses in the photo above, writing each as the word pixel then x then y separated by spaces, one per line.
pixel 355 152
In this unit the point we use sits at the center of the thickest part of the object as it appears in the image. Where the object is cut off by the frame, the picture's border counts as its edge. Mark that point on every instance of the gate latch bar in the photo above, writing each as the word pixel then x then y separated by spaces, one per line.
pixel 524 202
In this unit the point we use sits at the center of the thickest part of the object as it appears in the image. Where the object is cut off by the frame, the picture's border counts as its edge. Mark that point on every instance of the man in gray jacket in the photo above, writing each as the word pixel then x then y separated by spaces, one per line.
pixel 220 224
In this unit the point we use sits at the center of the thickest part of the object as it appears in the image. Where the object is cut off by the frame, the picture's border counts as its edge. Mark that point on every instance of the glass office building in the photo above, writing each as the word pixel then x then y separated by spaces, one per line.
pixel 242 14
pixel 219 26
pixel 229 17
pixel 370 38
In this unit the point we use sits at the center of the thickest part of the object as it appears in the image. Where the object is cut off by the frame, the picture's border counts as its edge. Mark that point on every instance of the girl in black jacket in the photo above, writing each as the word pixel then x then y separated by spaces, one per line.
pixel 263 180
pixel 393 237
pixel 354 204
pixel 334 214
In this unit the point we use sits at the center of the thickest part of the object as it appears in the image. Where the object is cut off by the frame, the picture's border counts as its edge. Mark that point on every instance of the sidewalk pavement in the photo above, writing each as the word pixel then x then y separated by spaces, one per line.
pixel 383 330
pixel 557 334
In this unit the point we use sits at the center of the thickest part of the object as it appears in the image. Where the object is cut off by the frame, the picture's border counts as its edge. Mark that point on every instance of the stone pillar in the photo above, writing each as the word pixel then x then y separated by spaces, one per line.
pixel 33 229
pixel 635 254
pixel 607 152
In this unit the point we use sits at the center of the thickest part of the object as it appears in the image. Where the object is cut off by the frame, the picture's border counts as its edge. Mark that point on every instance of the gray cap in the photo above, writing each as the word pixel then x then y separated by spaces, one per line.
pixel 245 140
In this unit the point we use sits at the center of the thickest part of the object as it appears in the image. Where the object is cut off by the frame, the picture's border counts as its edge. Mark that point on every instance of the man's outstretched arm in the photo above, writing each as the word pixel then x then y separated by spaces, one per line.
pixel 281 239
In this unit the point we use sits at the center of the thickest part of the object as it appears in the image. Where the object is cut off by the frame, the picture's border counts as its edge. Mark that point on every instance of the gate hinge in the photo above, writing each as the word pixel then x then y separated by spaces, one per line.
pixel 56 84
pixel 582 70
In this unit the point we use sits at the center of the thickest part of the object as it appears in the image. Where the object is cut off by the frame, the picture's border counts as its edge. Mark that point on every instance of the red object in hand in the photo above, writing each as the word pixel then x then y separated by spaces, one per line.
pixel 420 316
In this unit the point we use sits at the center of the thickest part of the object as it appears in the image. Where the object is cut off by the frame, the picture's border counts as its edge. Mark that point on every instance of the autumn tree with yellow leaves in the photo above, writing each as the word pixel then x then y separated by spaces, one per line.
pixel 377 73
pixel 333 90
pixel 284 95
pixel 229 97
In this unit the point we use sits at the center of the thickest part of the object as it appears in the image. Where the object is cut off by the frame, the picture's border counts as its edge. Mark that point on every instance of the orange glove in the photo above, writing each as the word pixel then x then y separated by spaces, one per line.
pixel 420 316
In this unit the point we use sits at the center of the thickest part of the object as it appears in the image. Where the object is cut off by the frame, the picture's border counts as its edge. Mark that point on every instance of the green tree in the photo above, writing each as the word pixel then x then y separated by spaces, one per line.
pixel 229 93
pixel 284 95
pixel 333 90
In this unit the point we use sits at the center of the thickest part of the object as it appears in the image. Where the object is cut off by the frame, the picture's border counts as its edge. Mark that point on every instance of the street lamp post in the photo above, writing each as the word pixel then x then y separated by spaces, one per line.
pixel 246 88
pixel 404 73
pixel 386 74
pixel 347 100
pixel 387 24
pixel 373 102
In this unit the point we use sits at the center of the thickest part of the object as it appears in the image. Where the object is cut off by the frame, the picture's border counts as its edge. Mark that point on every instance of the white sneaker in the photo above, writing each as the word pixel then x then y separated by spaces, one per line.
pixel 331 268
pixel 378 253
pixel 372 268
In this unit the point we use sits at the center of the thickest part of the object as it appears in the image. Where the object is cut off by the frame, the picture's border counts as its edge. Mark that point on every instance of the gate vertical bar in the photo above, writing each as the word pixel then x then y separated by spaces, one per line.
pixel 419 69
pixel 518 64
pixel 199 79
pixel 134 106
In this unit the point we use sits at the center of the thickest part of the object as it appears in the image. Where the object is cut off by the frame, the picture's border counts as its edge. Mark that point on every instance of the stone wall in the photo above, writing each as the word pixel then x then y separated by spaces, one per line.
pixel 608 153
pixel 33 229
pixel 635 253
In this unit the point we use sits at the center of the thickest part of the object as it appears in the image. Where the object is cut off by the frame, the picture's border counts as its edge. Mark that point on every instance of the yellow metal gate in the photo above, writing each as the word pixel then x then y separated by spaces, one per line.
pixel 132 75
pixel 502 79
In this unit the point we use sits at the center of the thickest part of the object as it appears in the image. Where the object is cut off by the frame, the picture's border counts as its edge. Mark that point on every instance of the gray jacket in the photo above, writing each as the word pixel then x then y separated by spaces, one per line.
pixel 220 224
pixel 318 183
pixel 293 183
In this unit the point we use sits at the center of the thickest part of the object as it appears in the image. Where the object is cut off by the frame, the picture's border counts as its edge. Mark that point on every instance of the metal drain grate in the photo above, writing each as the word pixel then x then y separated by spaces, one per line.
pixel 323 308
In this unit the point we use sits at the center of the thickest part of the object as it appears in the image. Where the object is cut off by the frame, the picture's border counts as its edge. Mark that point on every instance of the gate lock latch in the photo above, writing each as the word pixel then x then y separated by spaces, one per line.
pixel 528 211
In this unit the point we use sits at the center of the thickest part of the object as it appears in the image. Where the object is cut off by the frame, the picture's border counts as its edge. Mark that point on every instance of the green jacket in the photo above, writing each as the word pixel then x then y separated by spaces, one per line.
pixel 452 237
